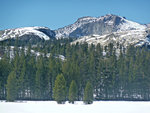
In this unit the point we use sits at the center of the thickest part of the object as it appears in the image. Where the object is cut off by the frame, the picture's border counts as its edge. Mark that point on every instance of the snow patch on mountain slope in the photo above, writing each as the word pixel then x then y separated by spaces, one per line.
pixel 129 25
pixel 125 38
pixel 13 33
pixel 11 52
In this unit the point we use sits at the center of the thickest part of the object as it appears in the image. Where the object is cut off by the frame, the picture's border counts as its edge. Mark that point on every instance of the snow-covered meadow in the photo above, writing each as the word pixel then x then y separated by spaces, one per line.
pixel 78 107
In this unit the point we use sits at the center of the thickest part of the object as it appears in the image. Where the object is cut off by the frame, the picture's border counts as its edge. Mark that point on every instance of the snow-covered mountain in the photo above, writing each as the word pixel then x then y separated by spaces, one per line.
pixel 103 30
pixel 87 26
pixel 27 33
pixel 107 29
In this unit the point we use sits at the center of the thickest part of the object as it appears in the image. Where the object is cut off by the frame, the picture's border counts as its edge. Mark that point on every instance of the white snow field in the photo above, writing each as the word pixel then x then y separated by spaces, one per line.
pixel 78 107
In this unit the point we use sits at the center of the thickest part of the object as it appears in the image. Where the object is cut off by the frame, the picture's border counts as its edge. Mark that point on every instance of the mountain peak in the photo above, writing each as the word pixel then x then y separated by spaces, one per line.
pixel 108 16
pixel 88 25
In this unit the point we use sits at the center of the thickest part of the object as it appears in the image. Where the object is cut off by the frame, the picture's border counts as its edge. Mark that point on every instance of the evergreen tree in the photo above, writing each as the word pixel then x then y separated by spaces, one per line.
pixel 73 91
pixel 39 79
pixel 88 93
pixel 30 76
pixel 21 77
pixel 11 87
pixel 59 91
pixel 5 69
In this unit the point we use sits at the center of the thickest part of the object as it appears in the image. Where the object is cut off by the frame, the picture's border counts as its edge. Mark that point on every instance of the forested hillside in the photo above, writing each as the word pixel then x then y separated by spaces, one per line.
pixel 26 76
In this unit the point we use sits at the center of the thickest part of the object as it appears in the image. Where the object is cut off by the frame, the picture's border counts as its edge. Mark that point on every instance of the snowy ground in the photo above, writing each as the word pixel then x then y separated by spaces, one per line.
pixel 79 107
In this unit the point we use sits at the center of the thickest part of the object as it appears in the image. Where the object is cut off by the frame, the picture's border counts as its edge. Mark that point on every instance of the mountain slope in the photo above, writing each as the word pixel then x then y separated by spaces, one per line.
pixel 125 38
pixel 27 33
pixel 100 26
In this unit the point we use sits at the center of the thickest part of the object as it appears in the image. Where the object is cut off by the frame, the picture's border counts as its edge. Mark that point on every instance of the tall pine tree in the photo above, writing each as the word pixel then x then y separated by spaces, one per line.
pixel 59 91
pixel 88 93
pixel 11 87
pixel 73 91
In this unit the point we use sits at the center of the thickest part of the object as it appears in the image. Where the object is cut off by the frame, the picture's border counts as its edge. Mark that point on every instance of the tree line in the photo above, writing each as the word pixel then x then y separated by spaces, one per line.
pixel 87 73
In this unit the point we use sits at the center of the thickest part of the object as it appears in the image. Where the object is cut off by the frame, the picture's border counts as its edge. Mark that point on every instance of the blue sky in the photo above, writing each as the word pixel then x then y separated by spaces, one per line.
pixel 59 13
